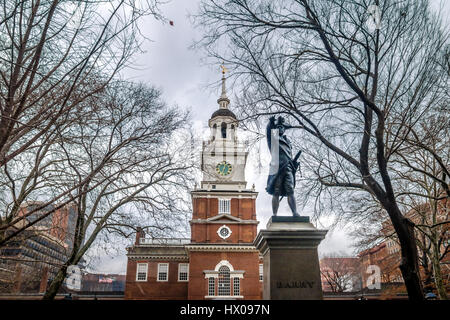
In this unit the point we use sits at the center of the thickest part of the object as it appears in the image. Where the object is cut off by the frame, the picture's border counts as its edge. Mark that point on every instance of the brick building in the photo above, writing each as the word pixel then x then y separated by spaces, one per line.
pixel 387 254
pixel 31 260
pixel 219 260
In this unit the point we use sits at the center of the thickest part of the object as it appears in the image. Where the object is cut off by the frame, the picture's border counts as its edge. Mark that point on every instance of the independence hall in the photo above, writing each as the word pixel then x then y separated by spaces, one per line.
pixel 219 261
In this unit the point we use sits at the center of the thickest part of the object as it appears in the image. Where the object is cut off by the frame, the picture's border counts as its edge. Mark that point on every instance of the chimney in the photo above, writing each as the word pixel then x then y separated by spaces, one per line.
pixel 139 234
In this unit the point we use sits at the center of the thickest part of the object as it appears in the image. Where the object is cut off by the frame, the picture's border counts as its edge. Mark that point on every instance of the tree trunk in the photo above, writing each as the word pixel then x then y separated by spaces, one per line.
pixel 52 290
pixel 442 292
pixel 409 265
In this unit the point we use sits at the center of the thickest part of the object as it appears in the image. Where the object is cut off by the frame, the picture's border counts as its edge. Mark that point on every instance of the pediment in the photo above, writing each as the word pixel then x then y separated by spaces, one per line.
pixel 223 217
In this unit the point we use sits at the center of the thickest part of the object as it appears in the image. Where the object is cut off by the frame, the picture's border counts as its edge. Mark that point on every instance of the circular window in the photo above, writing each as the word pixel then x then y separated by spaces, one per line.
pixel 224 232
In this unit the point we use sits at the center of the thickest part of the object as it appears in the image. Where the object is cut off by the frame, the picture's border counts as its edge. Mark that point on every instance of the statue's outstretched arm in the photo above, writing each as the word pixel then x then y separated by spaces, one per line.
pixel 269 128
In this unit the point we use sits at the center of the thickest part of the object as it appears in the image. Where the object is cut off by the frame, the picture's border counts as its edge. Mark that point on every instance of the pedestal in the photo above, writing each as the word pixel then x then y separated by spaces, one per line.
pixel 291 263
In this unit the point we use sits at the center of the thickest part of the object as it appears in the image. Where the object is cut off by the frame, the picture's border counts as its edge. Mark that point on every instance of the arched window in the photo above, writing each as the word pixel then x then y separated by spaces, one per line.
pixel 224 282
pixel 214 131
pixel 232 132
pixel 224 130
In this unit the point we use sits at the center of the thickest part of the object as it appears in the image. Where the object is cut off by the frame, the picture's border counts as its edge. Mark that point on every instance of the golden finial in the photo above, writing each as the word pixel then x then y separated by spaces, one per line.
pixel 223 68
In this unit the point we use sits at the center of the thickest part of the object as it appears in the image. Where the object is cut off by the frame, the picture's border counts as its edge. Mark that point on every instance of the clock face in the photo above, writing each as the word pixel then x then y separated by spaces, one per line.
pixel 223 168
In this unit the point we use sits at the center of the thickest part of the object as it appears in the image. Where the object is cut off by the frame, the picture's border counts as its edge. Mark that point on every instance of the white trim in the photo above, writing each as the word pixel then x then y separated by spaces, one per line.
pixel 224 227
pixel 213 287
pixel 224 206
pixel 211 274
pixel 158 272
pixel 224 263
pixel 187 271
pixel 137 272
pixel 223 193
pixel 233 280
pixel 222 216
pixel 181 258
pixel 261 272
pixel 237 274
pixel 209 247
pixel 224 297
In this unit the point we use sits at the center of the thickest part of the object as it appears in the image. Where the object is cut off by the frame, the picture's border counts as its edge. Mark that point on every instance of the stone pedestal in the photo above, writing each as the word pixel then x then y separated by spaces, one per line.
pixel 291 263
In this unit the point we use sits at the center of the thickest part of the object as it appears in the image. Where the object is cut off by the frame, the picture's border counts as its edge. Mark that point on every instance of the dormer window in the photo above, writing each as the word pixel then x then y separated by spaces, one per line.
pixel 224 206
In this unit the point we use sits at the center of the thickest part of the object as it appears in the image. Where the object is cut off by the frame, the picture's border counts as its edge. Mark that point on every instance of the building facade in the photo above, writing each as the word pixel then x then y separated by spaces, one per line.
pixel 219 260
pixel 30 261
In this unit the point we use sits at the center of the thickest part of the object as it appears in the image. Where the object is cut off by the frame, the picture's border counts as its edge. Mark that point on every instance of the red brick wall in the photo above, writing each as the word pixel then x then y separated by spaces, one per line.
pixel 208 233
pixel 152 289
pixel 204 208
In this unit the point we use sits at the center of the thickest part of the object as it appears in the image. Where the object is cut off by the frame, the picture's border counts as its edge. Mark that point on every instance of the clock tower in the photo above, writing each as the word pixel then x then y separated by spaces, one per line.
pixel 222 258
pixel 219 261
pixel 223 155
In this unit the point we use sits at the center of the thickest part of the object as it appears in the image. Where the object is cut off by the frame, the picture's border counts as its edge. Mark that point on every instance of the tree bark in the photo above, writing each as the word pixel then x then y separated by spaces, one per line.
pixel 409 265
pixel 435 261
pixel 56 284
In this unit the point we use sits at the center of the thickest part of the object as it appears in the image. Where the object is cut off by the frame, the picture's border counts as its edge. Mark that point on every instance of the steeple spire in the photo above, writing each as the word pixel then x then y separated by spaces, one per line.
pixel 223 101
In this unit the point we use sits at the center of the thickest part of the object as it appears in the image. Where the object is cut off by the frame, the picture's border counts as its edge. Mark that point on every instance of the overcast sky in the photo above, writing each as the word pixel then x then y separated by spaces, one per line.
pixel 178 71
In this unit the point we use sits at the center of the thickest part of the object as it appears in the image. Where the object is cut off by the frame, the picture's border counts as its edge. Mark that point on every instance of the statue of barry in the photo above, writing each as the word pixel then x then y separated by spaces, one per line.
pixel 281 180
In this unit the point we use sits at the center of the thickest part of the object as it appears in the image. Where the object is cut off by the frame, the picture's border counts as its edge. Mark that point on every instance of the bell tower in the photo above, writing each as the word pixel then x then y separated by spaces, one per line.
pixel 223 259
pixel 223 155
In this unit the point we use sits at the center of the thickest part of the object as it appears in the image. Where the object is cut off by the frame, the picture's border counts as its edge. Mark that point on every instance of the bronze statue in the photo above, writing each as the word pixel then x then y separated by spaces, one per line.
pixel 281 180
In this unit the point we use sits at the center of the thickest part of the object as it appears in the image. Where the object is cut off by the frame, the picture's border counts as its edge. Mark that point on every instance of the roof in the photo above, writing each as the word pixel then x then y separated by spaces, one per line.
pixel 223 113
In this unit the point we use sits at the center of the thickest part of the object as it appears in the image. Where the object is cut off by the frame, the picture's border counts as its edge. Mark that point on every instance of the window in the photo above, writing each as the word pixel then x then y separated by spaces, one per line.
pixel 224 282
pixel 261 272
pixel 224 232
pixel 211 286
pixel 223 129
pixel 224 206
pixel 141 274
pixel 183 272
pixel 163 272
pixel 236 286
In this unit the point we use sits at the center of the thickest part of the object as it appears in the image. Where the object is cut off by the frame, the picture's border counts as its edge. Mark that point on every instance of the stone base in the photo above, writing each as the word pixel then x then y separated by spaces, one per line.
pixel 291 263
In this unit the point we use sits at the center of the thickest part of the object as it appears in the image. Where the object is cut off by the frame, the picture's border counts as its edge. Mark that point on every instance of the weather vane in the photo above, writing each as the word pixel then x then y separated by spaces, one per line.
pixel 223 68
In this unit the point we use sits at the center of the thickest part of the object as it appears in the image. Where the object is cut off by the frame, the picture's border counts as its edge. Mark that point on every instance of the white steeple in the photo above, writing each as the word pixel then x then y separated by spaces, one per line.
pixel 223 101
pixel 223 156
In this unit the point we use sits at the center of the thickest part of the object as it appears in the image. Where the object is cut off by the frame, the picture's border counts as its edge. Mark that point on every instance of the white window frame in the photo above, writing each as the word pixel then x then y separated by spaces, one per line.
pixel 211 286
pixel 224 206
pixel 224 227
pixel 159 272
pixel 261 272
pixel 180 265
pixel 236 286
pixel 224 282
pixel 138 272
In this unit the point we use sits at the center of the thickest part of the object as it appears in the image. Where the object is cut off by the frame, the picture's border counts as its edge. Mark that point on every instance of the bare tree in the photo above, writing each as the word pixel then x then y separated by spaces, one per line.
pixel 343 82
pixel 342 274
pixel 421 180
pixel 143 173
pixel 54 56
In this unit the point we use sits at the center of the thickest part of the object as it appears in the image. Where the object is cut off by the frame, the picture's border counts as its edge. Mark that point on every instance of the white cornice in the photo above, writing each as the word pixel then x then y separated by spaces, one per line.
pixel 220 247
pixel 157 257
pixel 223 221
pixel 221 193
